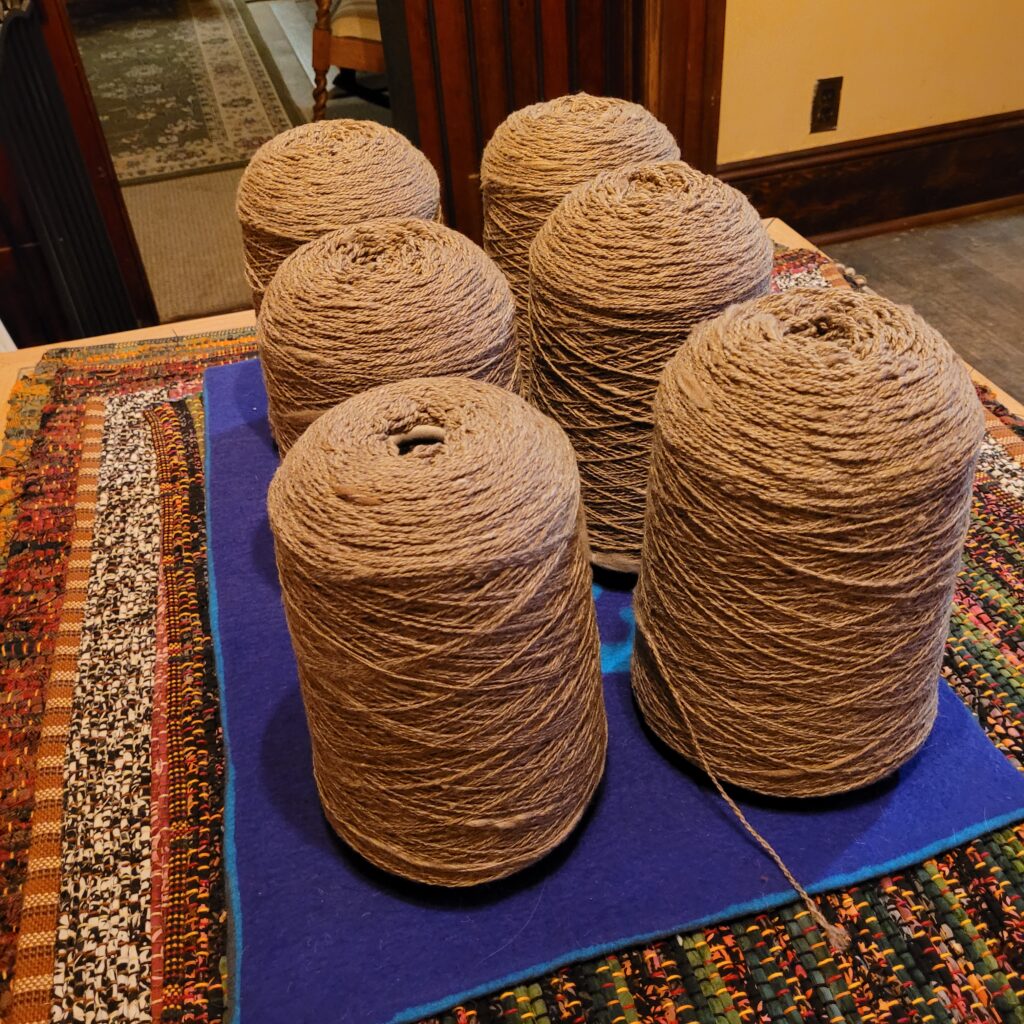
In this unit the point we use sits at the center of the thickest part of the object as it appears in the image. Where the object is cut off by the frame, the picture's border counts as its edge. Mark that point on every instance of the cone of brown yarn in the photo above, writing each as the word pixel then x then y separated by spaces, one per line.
pixel 327 175
pixel 541 152
pixel 620 273
pixel 375 303
pixel 809 495
pixel 438 597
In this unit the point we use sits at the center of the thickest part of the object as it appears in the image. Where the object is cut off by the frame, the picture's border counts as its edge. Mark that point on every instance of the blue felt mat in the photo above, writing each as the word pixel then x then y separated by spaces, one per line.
pixel 319 935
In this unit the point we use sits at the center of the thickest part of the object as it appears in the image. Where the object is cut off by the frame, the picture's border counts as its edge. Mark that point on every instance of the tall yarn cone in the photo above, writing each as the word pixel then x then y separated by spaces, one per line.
pixel 428 540
pixel 375 303
pixel 317 177
pixel 809 496
pixel 541 152
pixel 620 273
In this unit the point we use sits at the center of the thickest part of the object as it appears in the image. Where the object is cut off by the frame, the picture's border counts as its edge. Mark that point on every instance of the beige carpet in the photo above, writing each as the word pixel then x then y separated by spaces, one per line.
pixel 191 243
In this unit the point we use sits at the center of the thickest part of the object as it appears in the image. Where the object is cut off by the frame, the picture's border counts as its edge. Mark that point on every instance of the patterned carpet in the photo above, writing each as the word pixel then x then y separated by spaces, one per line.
pixel 180 85
pixel 110 750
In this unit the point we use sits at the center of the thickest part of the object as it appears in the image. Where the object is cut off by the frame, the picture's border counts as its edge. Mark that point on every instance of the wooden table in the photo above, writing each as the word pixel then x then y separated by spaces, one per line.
pixel 13 364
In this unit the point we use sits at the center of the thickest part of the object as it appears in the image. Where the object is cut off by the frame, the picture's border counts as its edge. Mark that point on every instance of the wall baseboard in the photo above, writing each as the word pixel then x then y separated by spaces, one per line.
pixel 919 220
pixel 860 186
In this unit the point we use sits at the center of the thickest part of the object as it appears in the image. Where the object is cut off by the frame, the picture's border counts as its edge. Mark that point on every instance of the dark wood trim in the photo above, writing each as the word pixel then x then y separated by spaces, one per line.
pixel 487 23
pixel 522 52
pixel 29 307
pixel 553 32
pixel 588 18
pixel 711 87
pixel 460 118
pixel 395 40
pixel 684 45
pixel 663 84
pixel 422 68
pixel 692 80
pixel 636 50
pixel 861 185
pixel 920 220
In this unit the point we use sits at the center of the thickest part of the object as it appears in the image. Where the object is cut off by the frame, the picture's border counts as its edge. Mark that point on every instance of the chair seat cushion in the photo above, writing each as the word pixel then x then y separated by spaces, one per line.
pixel 356 19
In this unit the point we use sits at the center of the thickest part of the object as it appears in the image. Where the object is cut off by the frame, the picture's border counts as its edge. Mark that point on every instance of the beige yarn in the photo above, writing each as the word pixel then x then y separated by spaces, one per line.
pixel 809 496
pixel 438 597
pixel 541 152
pixel 375 303
pixel 326 175
pixel 620 273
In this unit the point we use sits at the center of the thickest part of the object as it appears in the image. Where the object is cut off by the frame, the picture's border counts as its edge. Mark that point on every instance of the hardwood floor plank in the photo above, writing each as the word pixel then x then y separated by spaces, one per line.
pixel 966 277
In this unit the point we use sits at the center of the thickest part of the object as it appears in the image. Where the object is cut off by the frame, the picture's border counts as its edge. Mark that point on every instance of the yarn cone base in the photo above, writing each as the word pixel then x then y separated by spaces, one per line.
pixel 467 875
pixel 646 679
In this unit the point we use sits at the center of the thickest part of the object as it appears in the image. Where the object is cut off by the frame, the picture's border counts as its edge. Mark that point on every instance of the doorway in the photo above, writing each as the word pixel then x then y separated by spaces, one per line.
pixel 186 91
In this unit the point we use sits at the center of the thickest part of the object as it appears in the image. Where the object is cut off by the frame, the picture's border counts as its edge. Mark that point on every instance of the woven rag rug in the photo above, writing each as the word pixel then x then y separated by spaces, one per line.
pixel 112 761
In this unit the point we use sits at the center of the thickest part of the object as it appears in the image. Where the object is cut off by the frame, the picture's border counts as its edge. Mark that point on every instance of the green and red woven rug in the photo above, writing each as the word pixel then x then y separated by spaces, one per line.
pixel 110 748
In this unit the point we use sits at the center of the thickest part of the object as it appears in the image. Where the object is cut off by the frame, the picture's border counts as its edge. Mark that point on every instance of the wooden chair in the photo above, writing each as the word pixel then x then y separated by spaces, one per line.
pixel 350 39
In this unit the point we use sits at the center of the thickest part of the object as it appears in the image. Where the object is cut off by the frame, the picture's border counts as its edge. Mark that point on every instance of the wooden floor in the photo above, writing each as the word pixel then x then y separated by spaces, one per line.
pixel 965 277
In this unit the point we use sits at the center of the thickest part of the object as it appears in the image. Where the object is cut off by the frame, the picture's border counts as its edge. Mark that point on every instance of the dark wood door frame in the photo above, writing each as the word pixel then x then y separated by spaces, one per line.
pixel 92 144
pixel 684 41
pixel 472 62
pixel 70 263
pixel 459 67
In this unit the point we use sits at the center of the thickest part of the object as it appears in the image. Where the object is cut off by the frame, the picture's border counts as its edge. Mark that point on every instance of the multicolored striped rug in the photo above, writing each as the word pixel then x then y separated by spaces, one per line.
pixel 110 758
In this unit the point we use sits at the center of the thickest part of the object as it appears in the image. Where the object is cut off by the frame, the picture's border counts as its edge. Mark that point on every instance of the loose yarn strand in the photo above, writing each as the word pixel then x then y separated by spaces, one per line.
pixel 838 938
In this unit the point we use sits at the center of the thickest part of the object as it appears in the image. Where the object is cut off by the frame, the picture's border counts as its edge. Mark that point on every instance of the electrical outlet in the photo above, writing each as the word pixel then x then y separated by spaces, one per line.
pixel 825 105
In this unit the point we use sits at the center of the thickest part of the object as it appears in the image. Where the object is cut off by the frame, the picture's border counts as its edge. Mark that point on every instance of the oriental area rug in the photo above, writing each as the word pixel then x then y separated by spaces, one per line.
pixel 113 904
pixel 180 85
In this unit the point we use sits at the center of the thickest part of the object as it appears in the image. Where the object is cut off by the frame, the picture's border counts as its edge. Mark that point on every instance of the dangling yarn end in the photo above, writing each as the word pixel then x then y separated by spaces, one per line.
pixel 838 938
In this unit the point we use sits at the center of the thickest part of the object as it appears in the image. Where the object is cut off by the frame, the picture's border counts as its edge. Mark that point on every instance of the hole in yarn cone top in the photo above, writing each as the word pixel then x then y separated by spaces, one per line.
pixel 419 440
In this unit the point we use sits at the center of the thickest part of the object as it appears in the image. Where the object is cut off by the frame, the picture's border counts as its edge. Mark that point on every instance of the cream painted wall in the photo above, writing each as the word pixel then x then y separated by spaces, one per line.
pixel 905 64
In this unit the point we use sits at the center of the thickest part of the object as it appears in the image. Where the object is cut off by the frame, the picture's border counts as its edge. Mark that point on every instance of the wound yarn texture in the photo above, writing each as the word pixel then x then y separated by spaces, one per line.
pixel 428 542
pixel 325 175
pixel 620 273
pixel 375 303
pixel 541 152
pixel 809 496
